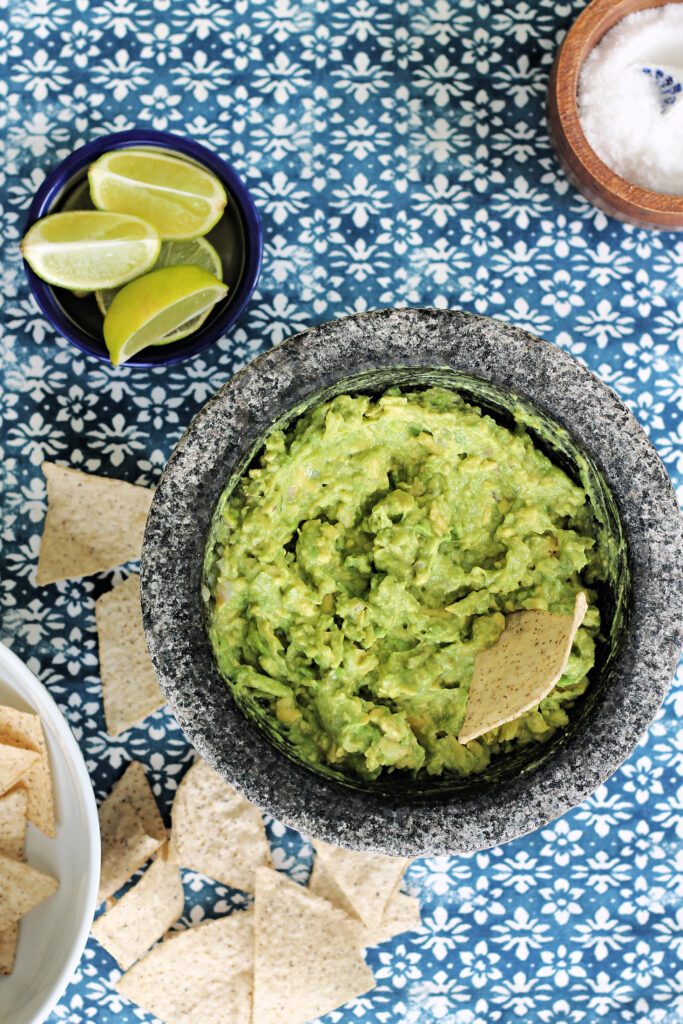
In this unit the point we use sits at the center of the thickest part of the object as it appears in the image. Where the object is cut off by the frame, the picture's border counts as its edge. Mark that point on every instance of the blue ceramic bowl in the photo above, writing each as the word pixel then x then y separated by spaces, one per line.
pixel 237 237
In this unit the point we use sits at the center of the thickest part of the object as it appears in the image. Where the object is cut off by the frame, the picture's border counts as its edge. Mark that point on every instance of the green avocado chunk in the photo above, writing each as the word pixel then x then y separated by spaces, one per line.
pixel 377 546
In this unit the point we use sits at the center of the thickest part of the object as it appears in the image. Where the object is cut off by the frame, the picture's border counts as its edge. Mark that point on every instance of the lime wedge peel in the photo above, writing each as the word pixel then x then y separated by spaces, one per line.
pixel 180 199
pixel 84 250
pixel 157 307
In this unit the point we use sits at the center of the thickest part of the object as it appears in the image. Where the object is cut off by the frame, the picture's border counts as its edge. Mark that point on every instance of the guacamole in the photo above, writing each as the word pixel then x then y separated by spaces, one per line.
pixel 377 546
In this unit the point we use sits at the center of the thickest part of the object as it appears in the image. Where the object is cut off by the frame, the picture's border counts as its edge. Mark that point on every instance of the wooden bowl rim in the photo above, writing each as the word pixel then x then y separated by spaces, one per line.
pixel 599 17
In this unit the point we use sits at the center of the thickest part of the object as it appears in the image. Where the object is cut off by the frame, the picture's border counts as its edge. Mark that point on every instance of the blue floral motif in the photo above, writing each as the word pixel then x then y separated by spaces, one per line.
pixel 398 155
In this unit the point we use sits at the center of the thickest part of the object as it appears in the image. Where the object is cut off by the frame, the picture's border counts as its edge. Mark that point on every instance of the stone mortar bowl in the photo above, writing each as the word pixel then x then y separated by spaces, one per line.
pixel 579 422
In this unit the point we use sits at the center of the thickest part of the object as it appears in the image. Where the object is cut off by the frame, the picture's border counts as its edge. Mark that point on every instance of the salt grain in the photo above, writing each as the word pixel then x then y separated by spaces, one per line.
pixel 631 117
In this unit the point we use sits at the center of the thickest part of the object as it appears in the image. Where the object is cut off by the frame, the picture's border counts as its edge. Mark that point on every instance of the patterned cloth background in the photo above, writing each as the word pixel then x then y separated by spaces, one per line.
pixel 397 152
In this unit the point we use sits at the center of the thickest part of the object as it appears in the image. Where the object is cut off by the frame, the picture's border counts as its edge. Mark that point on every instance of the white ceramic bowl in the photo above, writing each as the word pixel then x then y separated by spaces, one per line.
pixel 53 935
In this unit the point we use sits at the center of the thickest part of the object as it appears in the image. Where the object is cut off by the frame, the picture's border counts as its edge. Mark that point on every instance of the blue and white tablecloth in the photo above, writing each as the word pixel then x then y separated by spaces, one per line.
pixel 397 152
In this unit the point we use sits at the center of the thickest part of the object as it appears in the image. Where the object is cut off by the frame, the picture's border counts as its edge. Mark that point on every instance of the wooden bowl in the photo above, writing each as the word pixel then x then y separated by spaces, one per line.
pixel 584 168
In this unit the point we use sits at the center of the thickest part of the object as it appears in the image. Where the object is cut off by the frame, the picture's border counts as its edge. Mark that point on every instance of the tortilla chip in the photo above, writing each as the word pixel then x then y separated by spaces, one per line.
pixel 125 848
pixel 13 822
pixel 21 889
pixel 131 829
pixel 139 918
pixel 323 884
pixel 12 838
pixel 22 729
pixel 14 762
pixel 367 880
pixel 93 523
pixel 199 976
pixel 216 831
pixel 132 787
pixel 307 958
pixel 8 947
pixel 402 915
pixel 130 690
pixel 520 669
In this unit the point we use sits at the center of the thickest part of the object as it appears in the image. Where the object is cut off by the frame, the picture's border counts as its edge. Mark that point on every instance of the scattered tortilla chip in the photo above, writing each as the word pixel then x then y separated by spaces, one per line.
pixel 216 831
pixel 323 884
pixel 22 729
pixel 520 669
pixel 130 690
pixel 12 838
pixel 125 848
pixel 134 789
pixel 14 762
pixel 200 976
pixel 367 880
pixel 131 829
pixel 139 918
pixel 21 889
pixel 307 958
pixel 402 915
pixel 93 523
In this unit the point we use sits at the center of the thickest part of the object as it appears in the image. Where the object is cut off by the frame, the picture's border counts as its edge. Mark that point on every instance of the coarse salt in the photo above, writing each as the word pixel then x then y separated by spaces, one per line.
pixel 630 100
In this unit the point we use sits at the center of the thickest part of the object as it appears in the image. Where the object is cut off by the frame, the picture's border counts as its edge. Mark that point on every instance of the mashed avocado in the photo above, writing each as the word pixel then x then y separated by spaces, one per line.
pixel 378 546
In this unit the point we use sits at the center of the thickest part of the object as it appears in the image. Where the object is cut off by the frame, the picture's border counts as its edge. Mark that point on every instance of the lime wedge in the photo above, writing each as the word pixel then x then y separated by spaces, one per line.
pixel 87 249
pixel 156 306
pixel 189 327
pixel 191 252
pixel 179 198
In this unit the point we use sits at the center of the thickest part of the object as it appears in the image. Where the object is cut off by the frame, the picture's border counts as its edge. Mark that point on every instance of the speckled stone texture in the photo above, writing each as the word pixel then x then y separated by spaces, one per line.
pixel 416 346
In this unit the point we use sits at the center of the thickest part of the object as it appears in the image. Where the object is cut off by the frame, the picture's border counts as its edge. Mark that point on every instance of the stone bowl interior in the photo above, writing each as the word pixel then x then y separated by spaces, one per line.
pixel 558 444
pixel 580 424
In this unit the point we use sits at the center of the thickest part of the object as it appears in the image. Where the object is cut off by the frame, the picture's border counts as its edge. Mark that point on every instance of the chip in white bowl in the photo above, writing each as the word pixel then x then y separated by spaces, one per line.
pixel 52 936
